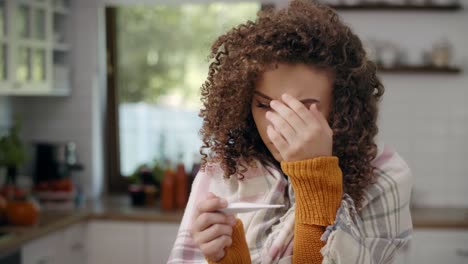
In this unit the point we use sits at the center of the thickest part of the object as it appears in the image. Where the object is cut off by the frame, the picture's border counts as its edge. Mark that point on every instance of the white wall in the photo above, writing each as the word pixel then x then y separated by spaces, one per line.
pixel 425 117
pixel 5 112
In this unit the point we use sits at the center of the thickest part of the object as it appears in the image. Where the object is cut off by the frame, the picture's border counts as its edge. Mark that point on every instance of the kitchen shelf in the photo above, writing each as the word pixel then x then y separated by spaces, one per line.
pixel 419 69
pixel 393 7
pixel 31 92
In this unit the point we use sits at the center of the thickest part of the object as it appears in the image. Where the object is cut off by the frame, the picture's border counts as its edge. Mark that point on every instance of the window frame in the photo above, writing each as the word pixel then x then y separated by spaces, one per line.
pixel 116 182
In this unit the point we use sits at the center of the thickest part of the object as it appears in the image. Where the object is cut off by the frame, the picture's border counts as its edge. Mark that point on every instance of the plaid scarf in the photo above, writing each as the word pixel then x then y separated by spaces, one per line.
pixel 372 235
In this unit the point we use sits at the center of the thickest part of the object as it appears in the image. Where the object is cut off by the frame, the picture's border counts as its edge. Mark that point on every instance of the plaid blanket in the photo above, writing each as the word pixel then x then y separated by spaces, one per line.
pixel 370 235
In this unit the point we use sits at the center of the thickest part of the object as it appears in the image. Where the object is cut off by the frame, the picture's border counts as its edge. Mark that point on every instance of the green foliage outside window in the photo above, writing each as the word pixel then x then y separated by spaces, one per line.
pixel 163 50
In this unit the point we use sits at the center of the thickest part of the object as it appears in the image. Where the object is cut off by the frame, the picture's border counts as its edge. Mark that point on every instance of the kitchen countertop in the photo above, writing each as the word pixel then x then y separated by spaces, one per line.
pixel 119 209
pixel 109 208
pixel 440 218
pixel 13 238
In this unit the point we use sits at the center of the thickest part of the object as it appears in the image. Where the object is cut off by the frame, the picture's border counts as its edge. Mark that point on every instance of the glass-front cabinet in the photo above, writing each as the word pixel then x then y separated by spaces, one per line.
pixel 35 49
pixel 5 41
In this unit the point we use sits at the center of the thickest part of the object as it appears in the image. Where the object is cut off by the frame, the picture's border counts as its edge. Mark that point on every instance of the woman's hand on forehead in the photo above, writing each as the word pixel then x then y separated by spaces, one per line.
pixel 297 131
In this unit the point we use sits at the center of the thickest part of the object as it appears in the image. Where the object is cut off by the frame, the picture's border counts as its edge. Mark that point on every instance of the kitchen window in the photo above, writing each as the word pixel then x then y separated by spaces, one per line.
pixel 157 61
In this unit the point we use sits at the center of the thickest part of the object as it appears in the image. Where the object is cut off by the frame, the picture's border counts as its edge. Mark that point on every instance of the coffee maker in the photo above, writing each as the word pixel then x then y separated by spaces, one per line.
pixel 55 161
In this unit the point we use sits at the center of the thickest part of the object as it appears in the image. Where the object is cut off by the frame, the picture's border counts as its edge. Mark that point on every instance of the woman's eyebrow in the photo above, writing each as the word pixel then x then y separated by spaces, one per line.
pixel 304 101
pixel 263 95
pixel 310 100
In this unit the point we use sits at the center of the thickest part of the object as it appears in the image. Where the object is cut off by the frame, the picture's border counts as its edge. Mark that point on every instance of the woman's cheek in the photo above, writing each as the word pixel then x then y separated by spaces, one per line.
pixel 261 123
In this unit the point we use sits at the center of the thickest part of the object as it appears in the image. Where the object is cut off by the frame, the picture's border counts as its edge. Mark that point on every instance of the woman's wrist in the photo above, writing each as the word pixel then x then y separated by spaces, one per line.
pixel 318 186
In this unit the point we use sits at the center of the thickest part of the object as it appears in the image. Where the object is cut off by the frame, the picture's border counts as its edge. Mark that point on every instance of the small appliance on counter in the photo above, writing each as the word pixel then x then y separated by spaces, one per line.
pixel 52 174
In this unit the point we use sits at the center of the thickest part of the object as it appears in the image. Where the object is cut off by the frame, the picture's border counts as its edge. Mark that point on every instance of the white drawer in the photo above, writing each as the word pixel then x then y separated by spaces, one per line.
pixel 434 246
pixel 45 250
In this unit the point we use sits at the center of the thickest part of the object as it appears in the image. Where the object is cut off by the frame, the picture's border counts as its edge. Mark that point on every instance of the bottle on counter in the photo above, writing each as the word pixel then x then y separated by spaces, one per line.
pixel 150 195
pixel 168 190
pixel 195 168
pixel 181 184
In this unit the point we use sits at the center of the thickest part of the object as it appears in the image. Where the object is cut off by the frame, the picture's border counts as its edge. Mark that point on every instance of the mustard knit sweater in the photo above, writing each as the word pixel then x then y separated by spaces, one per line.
pixel 317 184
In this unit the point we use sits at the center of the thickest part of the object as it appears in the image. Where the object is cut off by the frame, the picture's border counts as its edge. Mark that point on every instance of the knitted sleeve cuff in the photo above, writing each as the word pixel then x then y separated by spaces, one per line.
pixel 318 186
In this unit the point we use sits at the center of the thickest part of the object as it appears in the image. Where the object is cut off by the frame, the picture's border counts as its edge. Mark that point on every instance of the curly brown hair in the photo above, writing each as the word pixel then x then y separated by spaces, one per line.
pixel 309 33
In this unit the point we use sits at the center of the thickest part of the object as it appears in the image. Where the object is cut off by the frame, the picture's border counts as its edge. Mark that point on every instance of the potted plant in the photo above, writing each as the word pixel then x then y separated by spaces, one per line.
pixel 12 152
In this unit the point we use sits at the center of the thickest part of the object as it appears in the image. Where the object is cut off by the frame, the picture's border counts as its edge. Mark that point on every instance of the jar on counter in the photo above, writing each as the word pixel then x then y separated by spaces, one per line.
pixel 441 53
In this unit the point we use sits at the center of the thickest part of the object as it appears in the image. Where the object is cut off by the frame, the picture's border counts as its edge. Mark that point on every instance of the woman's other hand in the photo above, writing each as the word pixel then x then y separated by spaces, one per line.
pixel 212 230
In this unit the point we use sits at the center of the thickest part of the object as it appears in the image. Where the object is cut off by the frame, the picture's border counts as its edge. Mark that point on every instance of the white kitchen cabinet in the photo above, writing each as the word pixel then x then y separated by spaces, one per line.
pixel 74 245
pixel 439 246
pixel 130 242
pixel 60 247
pixel 161 238
pixel 34 47
pixel 116 242
pixel 45 250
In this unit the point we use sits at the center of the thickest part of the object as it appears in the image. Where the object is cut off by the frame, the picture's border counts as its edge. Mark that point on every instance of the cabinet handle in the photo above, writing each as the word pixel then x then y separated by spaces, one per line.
pixel 461 252
pixel 44 260
pixel 77 246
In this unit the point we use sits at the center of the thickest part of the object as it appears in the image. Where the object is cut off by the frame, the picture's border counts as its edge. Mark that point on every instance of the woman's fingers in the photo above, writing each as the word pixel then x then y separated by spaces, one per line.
pixel 321 119
pixel 212 230
pixel 212 233
pixel 207 215
pixel 214 250
pixel 289 114
pixel 207 219
pixel 210 195
pixel 280 143
pixel 281 125
pixel 211 204
pixel 299 108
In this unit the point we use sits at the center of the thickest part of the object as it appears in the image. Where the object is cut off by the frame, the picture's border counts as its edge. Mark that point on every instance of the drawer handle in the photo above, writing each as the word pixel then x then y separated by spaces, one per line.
pixel 461 252
pixel 45 260
pixel 77 246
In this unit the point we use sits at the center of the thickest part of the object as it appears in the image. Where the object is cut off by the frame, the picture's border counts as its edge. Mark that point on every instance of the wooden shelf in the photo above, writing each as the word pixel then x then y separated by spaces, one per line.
pixel 419 69
pixel 31 92
pixel 393 7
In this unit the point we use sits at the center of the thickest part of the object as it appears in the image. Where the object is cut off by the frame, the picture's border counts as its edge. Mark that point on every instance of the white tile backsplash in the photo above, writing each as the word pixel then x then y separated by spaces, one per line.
pixel 5 112
pixel 426 119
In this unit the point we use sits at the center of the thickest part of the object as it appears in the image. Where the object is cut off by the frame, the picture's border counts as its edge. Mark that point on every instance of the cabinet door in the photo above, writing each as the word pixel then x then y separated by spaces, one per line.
pixel 45 250
pixel 32 41
pixel 35 47
pixel 439 246
pixel 116 242
pixel 161 238
pixel 74 244
pixel 5 45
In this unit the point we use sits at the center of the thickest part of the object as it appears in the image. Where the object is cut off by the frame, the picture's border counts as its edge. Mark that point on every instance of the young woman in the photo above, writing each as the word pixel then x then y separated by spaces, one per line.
pixel 290 112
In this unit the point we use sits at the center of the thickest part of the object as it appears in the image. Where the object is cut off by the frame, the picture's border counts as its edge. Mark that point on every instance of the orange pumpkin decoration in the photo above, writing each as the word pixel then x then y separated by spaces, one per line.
pixel 23 213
